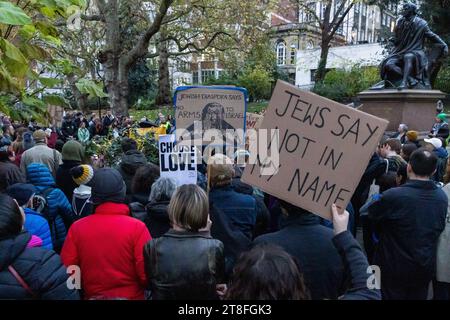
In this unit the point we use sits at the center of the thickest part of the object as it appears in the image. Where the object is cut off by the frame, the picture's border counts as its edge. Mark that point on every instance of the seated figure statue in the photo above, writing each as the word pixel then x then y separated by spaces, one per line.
pixel 409 66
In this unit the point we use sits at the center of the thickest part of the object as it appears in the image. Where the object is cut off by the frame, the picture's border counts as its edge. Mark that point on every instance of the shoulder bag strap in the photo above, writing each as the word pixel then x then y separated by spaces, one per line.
pixel 21 281
pixel 55 161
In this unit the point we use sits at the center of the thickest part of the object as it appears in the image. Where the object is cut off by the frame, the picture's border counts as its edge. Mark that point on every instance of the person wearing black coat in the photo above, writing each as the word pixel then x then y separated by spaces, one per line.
pixel 303 237
pixel 28 272
pixel 409 220
pixel 268 272
pixel 108 120
pixel 186 262
pixel 375 169
pixel 131 161
pixel 440 128
pixel 72 156
pixel 157 219
pixel 152 210
pixel 68 128
pixel 9 173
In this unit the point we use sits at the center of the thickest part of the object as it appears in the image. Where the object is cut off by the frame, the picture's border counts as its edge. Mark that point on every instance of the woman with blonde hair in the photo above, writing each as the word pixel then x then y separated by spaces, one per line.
pixel 186 263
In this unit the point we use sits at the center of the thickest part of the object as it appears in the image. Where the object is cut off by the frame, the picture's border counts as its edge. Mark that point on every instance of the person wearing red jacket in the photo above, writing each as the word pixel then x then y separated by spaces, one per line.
pixel 52 136
pixel 108 245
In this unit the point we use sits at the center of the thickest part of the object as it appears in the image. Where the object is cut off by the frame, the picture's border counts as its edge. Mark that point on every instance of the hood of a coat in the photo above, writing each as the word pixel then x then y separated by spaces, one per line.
pixel 140 197
pixel 158 210
pixel 132 160
pixel 11 248
pixel 39 175
pixel 69 164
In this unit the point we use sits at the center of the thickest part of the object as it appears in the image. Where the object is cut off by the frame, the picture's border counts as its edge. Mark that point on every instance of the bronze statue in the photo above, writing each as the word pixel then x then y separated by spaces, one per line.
pixel 409 66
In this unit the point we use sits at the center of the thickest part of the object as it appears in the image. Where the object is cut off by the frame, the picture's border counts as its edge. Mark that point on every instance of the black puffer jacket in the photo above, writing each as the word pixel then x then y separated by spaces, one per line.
pixel 41 269
pixel 131 161
pixel 184 266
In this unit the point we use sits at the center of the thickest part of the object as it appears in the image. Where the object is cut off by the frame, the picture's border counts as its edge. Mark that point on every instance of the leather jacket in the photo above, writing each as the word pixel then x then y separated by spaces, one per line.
pixel 184 266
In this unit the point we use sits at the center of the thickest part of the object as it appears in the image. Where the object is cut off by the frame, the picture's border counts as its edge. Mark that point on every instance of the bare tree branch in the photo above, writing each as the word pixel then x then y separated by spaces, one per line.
pixel 184 47
pixel 335 24
pixel 304 6
pixel 337 13
pixel 141 48
pixel 175 17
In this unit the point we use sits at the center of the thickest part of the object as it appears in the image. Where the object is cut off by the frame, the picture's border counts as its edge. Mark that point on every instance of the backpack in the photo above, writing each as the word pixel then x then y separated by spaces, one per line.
pixel 81 204
pixel 40 205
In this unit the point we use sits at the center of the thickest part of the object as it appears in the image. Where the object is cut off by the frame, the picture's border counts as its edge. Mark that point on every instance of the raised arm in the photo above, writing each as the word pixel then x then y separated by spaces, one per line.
pixel 353 258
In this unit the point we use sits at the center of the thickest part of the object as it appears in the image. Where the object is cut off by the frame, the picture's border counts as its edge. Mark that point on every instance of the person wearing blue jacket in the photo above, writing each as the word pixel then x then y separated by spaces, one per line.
pixel 35 223
pixel 241 209
pixel 59 209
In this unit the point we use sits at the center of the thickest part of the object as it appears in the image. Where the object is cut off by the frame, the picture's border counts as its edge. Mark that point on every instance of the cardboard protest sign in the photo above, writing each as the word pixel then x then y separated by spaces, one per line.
pixel 177 162
pixel 212 107
pixel 324 147
pixel 253 120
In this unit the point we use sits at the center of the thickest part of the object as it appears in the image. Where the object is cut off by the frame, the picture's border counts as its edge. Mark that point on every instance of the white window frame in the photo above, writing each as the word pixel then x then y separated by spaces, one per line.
pixel 281 51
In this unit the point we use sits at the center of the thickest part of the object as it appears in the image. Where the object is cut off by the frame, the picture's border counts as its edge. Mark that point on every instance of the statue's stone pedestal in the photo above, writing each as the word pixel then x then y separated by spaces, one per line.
pixel 416 108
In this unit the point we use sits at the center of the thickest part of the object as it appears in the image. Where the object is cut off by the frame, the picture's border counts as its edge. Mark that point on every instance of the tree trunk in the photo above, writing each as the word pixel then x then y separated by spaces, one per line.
pixel 117 63
pixel 164 95
pixel 322 66
pixel 116 70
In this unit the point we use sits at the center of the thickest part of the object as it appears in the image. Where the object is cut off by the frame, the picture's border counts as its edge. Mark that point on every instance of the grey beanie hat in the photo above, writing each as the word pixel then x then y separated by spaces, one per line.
pixel 107 186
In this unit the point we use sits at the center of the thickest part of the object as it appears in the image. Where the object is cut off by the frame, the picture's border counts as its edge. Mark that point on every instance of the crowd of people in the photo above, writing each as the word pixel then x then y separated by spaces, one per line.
pixel 132 234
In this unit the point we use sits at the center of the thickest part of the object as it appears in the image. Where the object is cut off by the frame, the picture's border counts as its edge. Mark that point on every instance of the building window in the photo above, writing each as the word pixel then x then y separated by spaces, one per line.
pixel 207 75
pixel 293 53
pixel 195 77
pixel 281 53
pixel 310 12
pixel 313 75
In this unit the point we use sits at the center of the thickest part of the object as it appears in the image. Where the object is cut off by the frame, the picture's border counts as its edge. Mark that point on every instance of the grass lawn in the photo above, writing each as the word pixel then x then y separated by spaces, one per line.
pixel 257 107
pixel 254 107
pixel 151 115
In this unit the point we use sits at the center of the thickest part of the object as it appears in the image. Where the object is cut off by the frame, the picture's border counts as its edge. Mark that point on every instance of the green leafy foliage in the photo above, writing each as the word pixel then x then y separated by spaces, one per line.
pixel 12 14
pixel 343 85
pixel 91 88
pixel 28 39
pixel 13 59
pixel 109 150
pixel 55 100
pixel 443 80
pixel 258 82
pixel 142 84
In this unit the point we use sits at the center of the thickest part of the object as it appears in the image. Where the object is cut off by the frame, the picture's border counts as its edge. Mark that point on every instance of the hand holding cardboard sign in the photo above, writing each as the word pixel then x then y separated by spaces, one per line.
pixel 340 220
